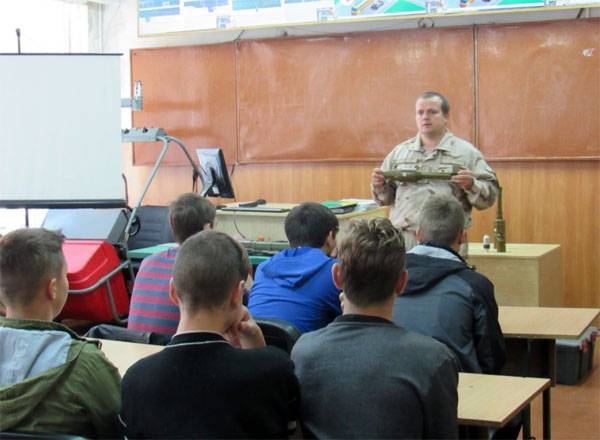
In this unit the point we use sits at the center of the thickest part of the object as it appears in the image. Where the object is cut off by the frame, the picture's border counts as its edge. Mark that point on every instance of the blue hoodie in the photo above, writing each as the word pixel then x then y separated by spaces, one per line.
pixel 296 285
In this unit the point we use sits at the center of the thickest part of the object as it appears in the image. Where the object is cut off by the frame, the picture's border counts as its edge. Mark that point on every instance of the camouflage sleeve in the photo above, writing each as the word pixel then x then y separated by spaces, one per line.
pixel 485 187
pixel 388 194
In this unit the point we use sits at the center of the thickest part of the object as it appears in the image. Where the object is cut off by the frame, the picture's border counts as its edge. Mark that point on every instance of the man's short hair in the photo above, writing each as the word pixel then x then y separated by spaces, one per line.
pixel 442 98
pixel 188 214
pixel 309 223
pixel 208 266
pixel 371 257
pixel 28 258
pixel 441 219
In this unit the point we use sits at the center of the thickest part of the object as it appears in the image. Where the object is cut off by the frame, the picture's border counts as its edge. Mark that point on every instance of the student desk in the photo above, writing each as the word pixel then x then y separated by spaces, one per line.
pixel 531 333
pixel 270 225
pixel 524 275
pixel 483 400
pixel 491 401
pixel 124 354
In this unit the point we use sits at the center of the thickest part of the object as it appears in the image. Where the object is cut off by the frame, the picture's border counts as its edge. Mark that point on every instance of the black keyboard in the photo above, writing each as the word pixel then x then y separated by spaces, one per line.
pixel 253 209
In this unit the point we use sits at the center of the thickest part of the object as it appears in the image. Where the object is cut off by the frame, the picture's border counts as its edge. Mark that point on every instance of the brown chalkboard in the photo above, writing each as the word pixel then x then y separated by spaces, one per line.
pixel 538 91
pixel 520 91
pixel 348 98
pixel 190 92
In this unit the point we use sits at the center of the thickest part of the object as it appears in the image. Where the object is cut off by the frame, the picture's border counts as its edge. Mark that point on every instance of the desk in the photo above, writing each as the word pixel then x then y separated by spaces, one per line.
pixel 524 275
pixel 124 354
pixel 491 401
pixel 531 334
pixel 140 254
pixel 271 224
pixel 483 400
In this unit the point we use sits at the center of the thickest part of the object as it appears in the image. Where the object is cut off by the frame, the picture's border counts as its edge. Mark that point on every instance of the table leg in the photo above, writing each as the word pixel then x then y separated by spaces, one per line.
pixel 547 425
pixel 526 413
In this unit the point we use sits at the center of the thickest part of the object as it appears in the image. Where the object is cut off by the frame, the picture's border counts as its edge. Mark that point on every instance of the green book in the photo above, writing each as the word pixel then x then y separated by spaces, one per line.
pixel 340 206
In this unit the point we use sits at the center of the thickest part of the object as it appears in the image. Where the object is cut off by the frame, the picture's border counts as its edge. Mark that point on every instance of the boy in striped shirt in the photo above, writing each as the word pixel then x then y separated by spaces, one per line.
pixel 151 308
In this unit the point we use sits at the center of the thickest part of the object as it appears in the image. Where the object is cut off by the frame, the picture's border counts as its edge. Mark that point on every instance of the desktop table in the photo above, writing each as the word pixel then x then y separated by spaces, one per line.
pixel 270 225
pixel 483 400
pixel 531 333
pixel 525 275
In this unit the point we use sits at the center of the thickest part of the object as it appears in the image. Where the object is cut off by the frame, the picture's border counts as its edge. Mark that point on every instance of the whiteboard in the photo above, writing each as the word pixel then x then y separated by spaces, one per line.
pixel 60 136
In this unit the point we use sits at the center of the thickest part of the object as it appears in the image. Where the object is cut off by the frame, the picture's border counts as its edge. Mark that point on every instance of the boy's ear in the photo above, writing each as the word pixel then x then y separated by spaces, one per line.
pixel 237 295
pixel 401 284
pixel 336 272
pixel 50 289
pixel 418 235
pixel 173 294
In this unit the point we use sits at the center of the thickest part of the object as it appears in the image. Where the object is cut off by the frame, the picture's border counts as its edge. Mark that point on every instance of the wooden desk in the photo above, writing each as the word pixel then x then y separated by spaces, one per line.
pixel 270 225
pixel 545 322
pixel 124 354
pixel 491 401
pixel 531 334
pixel 524 275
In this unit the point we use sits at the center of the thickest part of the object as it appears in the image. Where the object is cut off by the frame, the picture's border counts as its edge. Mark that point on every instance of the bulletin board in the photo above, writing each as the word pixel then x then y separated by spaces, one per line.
pixel 539 90
pixel 190 92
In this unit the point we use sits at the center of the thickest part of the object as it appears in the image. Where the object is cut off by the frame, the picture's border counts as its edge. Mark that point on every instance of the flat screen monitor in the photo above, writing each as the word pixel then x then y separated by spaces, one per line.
pixel 215 178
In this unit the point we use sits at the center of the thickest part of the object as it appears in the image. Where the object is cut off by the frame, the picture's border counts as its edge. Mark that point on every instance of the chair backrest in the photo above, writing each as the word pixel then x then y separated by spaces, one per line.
pixel 279 333
pixel 154 227
pixel 116 333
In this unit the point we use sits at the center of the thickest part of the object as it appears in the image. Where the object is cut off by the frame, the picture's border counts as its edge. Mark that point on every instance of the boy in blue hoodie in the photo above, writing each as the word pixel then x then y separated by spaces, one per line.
pixel 296 285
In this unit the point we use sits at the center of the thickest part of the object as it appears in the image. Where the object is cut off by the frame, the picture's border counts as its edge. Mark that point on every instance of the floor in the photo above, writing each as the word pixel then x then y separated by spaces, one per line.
pixel 575 408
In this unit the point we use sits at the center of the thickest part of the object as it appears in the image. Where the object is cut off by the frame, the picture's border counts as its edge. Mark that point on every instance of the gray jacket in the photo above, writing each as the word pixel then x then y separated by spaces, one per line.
pixel 364 377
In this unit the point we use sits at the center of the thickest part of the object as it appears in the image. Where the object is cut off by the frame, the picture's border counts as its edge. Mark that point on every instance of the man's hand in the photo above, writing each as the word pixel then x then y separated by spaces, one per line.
pixel 465 179
pixel 245 333
pixel 377 179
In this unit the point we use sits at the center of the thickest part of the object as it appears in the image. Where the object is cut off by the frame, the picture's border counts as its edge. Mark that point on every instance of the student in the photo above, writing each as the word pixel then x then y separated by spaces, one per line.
pixel 151 309
pixel 296 284
pixel 362 376
pixel 51 380
pixel 202 385
pixel 444 297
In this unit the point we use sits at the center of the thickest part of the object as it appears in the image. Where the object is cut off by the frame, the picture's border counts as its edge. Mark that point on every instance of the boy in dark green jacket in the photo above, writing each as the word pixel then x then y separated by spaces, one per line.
pixel 51 380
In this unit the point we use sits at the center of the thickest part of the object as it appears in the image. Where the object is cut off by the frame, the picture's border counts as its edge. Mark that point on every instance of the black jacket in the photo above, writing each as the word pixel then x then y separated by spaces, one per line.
pixel 449 301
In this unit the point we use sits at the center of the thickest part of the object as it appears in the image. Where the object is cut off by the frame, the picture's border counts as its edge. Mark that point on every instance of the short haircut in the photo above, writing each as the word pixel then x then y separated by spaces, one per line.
pixel 371 258
pixel 445 103
pixel 309 223
pixel 208 266
pixel 28 259
pixel 188 214
pixel 441 219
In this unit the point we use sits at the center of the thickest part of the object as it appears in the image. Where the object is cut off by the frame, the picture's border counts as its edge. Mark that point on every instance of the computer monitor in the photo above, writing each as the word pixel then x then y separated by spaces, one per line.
pixel 215 178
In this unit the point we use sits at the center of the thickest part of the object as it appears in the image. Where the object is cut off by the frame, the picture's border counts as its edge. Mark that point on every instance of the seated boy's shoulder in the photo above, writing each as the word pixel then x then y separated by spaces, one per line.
pixel 91 355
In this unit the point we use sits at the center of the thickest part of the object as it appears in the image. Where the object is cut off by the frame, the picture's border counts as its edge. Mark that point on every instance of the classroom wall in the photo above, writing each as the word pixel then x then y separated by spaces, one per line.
pixel 550 201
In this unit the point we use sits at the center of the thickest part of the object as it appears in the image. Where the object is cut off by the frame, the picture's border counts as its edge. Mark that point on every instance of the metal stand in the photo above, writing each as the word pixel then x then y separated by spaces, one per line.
pixel 162 136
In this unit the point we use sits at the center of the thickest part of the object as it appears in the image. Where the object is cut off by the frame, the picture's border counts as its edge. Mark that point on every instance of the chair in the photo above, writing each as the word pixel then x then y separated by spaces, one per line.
pixel 153 227
pixel 116 333
pixel 279 333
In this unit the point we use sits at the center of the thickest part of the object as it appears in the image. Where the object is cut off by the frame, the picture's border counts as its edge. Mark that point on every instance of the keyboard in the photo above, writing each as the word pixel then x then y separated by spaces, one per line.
pixel 253 209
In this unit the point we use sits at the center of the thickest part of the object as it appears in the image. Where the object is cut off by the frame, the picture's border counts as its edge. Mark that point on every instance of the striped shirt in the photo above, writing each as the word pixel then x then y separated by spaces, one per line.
pixel 151 309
